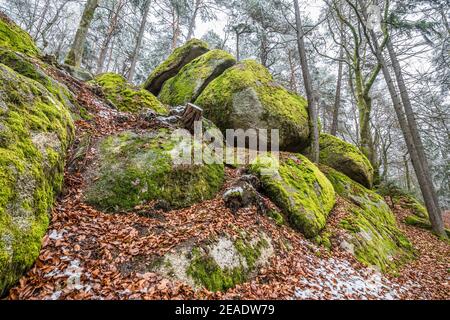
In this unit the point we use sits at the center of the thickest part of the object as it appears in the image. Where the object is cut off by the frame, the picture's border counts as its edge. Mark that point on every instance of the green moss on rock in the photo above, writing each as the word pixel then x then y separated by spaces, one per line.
pixel 206 272
pixel 225 263
pixel 346 158
pixel 370 225
pixel 299 188
pixel 135 168
pixel 403 198
pixel 14 38
pixel 35 132
pixel 30 68
pixel 193 78
pixel 125 96
pixel 173 64
pixel 247 97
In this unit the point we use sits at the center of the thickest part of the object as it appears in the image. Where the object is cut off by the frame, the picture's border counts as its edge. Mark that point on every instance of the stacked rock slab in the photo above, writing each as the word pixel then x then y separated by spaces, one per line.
pixel 247 97
pixel 193 78
pixel 127 97
pixel 345 158
pixel 177 60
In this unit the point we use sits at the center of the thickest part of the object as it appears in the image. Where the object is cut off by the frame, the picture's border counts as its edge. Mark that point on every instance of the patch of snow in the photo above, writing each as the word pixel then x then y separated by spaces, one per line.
pixel 55 235
pixel 335 279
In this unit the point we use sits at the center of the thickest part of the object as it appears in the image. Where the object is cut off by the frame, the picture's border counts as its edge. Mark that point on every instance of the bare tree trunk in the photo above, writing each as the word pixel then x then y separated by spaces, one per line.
pixel 138 44
pixel 427 189
pixel 407 175
pixel 313 124
pixel 76 50
pixel 110 54
pixel 412 123
pixel 111 29
pixel 238 58
pixel 337 98
pixel 193 20
pixel 175 28
pixel 292 78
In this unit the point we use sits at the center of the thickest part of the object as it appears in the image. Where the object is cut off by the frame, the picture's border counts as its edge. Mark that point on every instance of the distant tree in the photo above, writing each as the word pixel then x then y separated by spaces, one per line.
pixel 75 54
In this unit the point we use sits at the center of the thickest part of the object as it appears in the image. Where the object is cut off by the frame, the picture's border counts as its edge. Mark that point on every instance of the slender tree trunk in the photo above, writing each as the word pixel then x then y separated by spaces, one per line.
pixel 238 58
pixel 407 175
pixel 193 20
pixel 413 127
pixel 337 98
pixel 175 28
pixel 76 50
pixel 312 108
pixel 292 78
pixel 139 38
pixel 110 54
pixel 111 29
pixel 427 189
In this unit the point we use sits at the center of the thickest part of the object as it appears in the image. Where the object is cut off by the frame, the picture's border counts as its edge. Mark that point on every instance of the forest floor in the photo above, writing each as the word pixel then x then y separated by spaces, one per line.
pixel 88 254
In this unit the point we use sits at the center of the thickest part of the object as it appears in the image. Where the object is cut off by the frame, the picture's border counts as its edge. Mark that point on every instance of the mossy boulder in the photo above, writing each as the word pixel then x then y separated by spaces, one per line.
pixel 345 158
pixel 78 73
pixel 14 38
pixel 193 78
pixel 219 264
pixel 35 132
pixel 370 225
pixel 298 187
pixel 247 97
pixel 127 97
pixel 177 60
pixel 133 169
pixel 34 70
pixel 403 198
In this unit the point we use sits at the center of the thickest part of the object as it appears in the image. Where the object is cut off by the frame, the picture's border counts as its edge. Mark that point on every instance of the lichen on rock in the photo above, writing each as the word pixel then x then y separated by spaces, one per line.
pixel 173 64
pixel 193 78
pixel 246 97
pixel 132 169
pixel 125 96
pixel 346 158
pixel 219 264
pixel 35 132
pixel 370 225
pixel 14 38
pixel 298 187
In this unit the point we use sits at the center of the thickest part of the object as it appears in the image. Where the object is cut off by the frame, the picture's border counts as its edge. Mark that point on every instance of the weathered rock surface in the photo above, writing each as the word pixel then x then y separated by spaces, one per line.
pixel 177 60
pixel 243 193
pixel 132 169
pixel 298 187
pixel 247 97
pixel 194 77
pixel 220 263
